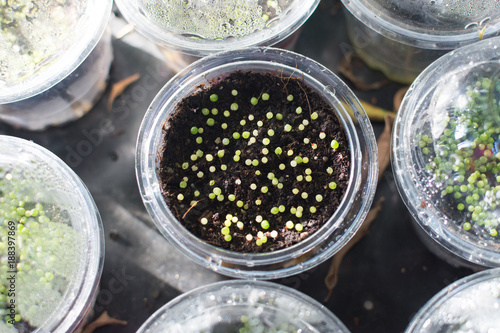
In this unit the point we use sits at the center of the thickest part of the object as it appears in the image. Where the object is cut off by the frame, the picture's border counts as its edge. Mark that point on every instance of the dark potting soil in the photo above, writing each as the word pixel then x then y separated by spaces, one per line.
pixel 236 184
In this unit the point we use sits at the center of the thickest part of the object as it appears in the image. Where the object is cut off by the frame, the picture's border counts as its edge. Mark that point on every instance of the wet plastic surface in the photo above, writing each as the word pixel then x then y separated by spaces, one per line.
pixel 470 304
pixel 383 280
pixel 428 23
pixel 215 25
pixel 433 109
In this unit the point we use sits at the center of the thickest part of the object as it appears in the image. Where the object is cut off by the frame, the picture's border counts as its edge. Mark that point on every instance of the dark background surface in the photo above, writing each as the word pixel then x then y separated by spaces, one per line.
pixel 383 281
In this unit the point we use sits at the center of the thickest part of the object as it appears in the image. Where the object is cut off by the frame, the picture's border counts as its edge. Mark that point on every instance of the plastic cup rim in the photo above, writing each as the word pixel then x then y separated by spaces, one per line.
pixel 241 285
pixel 63 66
pixel 143 168
pixel 435 41
pixel 194 47
pixel 430 218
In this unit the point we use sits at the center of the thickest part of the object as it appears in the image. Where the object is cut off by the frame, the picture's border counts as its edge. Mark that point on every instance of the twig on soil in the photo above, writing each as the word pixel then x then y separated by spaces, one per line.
pixel 307 98
pixel 183 216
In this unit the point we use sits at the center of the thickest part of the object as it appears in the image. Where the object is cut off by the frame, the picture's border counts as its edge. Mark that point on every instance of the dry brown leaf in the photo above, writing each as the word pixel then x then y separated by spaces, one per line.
pixel 103 320
pixel 398 98
pixel 376 113
pixel 331 278
pixel 384 146
pixel 119 87
pixel 347 70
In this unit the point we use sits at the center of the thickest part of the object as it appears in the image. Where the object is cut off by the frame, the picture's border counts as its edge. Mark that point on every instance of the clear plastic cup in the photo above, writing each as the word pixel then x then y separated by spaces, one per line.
pixel 471 304
pixel 319 246
pixel 402 37
pixel 243 306
pixel 445 154
pixel 200 27
pixel 55 61
pixel 52 247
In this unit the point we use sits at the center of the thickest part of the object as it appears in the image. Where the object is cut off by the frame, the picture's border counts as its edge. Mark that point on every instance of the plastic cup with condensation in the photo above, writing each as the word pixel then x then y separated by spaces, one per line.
pixel 316 248
pixel 65 245
pixel 471 304
pixel 402 37
pixel 199 27
pixel 55 61
pixel 243 306
pixel 445 155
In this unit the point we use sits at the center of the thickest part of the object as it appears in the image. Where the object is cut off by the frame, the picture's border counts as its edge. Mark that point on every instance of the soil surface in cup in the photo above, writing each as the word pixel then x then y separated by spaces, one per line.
pixel 254 162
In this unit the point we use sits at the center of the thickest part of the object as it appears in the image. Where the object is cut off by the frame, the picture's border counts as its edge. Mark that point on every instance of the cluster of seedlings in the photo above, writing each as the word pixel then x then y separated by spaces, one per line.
pixel 255 162
pixel 39 254
pixel 464 161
